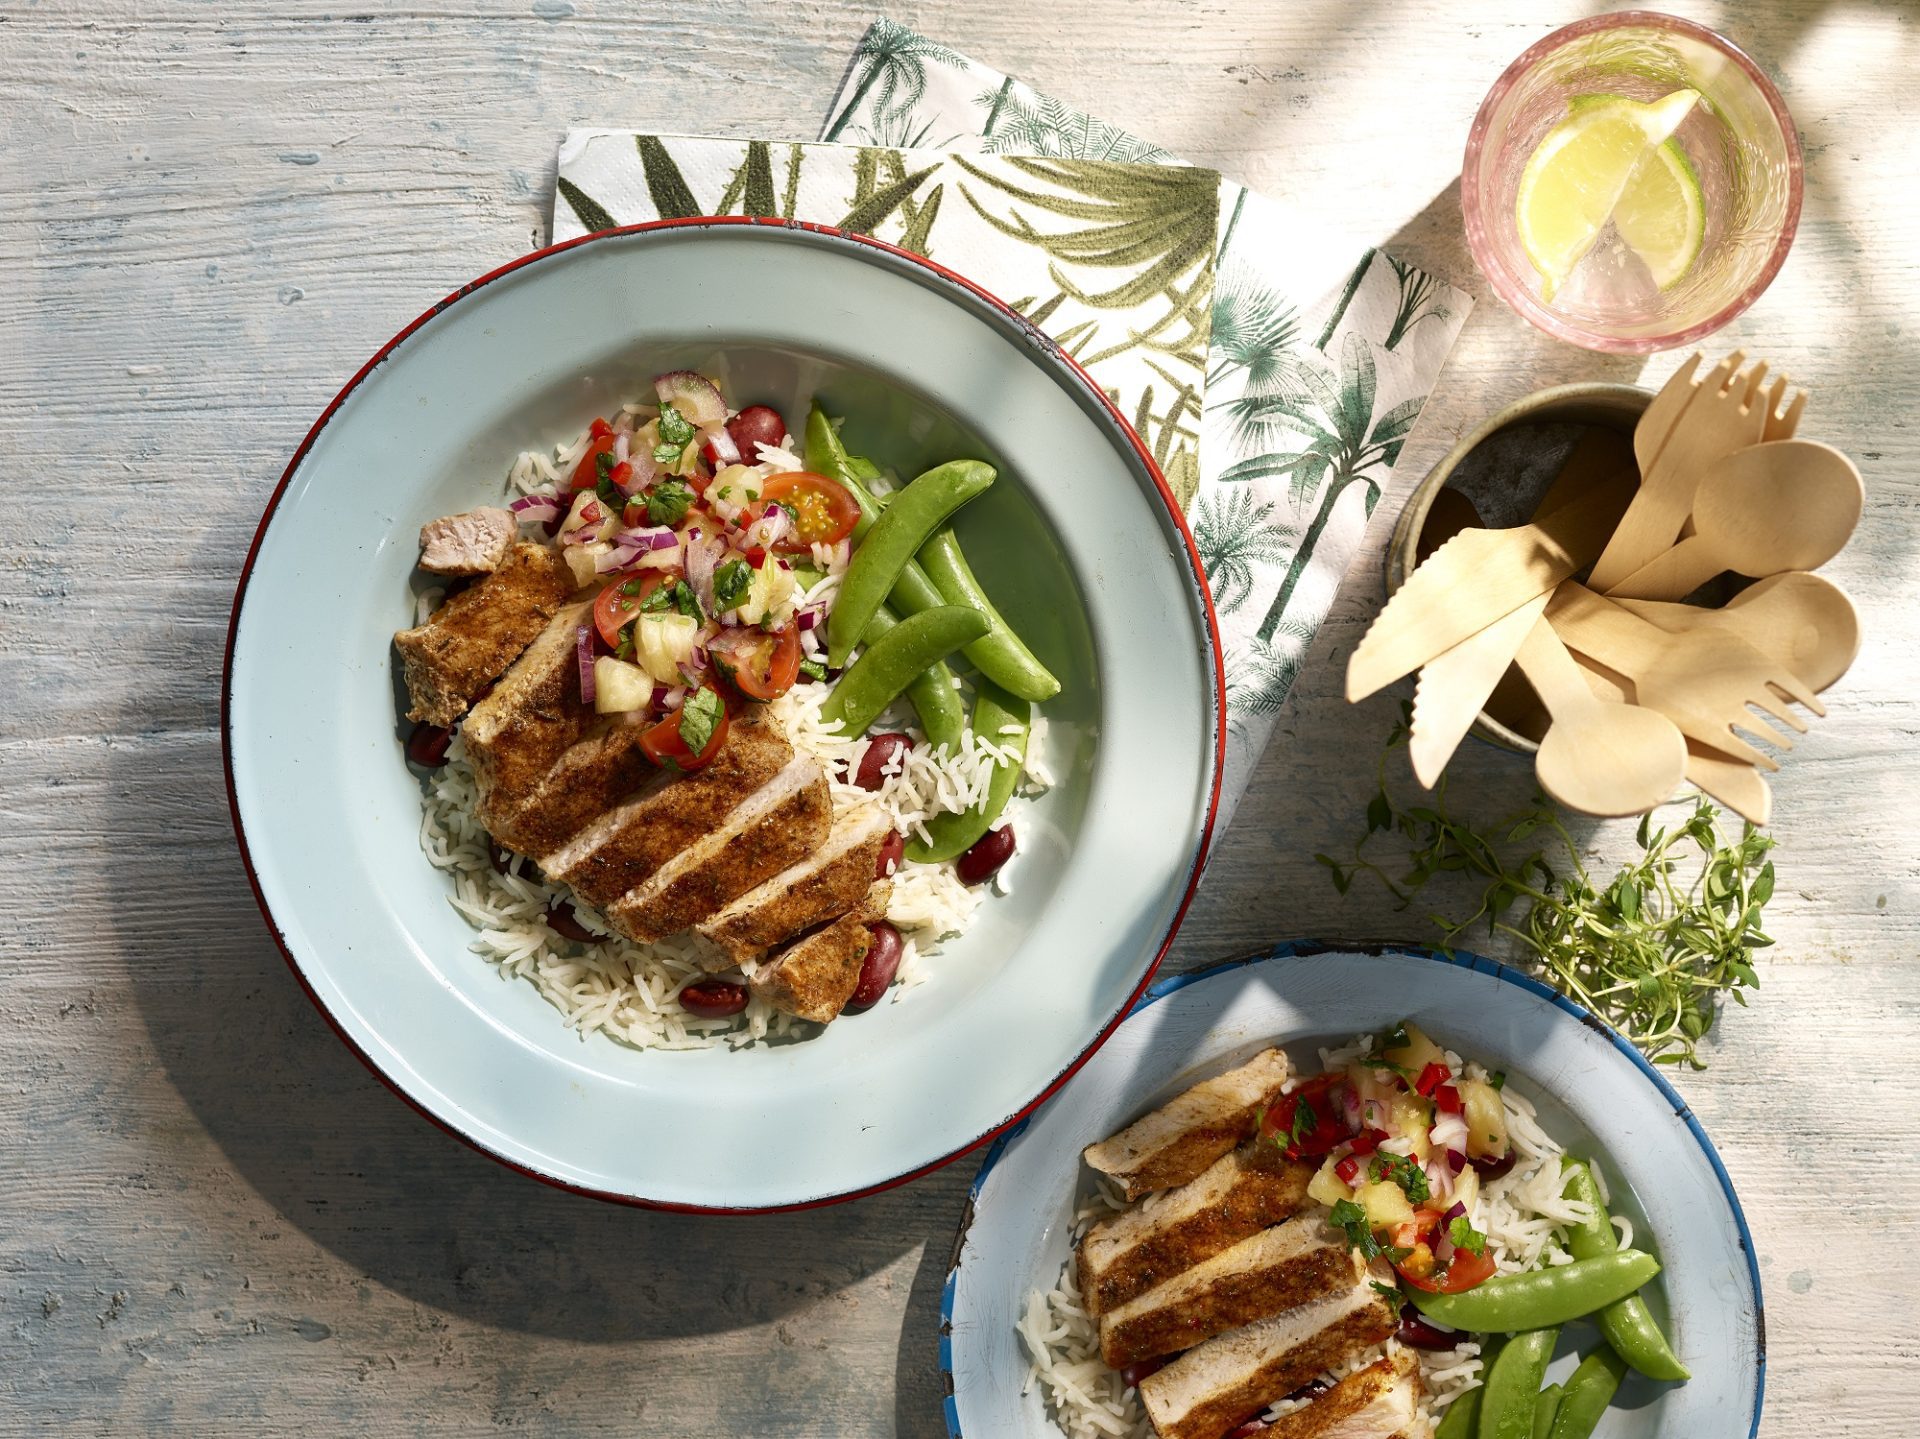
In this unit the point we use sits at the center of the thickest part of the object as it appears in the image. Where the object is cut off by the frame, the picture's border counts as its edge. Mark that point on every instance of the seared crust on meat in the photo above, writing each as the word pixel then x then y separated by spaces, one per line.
pixel 1381 1401
pixel 813 978
pixel 472 638
pixel 515 734
pixel 1181 1138
pixel 475 543
pixel 606 765
pixel 1276 1269
pixel 1167 1233
pixel 627 847
pixel 783 821
pixel 824 885
pixel 1212 1387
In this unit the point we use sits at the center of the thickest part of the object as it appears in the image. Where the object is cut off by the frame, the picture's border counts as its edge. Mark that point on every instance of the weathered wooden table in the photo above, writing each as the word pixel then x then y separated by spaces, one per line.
pixel 213 1220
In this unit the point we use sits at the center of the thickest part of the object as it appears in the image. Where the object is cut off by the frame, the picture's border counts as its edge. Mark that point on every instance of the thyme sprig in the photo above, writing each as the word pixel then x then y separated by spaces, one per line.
pixel 1654 952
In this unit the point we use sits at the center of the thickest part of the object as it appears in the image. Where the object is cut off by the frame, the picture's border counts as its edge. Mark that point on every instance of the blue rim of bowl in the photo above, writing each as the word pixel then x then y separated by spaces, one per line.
pixel 1307 949
pixel 1091 398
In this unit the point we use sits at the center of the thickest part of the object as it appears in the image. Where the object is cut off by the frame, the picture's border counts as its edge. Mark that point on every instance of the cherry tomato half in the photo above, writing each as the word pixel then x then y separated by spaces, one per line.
pixel 586 474
pixel 1465 1271
pixel 824 513
pixel 620 601
pixel 761 666
pixel 664 745
pixel 1320 1134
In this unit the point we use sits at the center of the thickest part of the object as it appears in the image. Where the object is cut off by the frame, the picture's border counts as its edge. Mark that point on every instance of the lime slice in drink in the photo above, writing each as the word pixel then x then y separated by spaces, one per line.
pixel 1576 176
pixel 1662 215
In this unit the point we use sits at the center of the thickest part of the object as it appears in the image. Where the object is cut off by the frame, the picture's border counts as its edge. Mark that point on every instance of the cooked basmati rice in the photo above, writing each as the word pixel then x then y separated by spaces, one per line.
pixel 1523 1214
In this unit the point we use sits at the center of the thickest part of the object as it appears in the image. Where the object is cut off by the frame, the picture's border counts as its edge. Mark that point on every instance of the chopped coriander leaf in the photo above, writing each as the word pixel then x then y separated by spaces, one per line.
pixel 1498 1080
pixel 699 717
pixel 1352 1219
pixel 1387 1291
pixel 688 603
pixel 668 502
pixel 1462 1235
pixel 609 492
pixel 625 649
pixel 1395 1038
pixel 603 463
pixel 1402 1171
pixel 730 583
pixel 814 670
pixel 675 428
pixel 659 600
pixel 1304 1121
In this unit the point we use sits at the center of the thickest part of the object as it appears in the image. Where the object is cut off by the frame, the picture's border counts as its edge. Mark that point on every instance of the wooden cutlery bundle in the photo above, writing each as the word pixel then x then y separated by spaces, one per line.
pixel 1645 682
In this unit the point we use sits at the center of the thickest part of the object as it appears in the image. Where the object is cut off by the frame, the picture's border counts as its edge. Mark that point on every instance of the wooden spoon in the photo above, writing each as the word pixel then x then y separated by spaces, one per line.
pixel 1599 758
pixel 1805 622
pixel 1782 505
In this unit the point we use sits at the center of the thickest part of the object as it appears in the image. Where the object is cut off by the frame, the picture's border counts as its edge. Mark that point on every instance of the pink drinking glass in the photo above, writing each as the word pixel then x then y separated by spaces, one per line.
pixel 1740 141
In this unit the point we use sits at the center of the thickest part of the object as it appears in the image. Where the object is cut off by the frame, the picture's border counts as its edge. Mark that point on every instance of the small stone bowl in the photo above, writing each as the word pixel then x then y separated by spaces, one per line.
pixel 1504 468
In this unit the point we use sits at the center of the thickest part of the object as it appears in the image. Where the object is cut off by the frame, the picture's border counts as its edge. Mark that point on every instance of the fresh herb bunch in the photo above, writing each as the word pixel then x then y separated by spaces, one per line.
pixel 1652 952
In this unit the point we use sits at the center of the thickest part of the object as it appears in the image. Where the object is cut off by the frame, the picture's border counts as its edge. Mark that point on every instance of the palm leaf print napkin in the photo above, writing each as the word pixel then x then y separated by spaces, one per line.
pixel 1319 361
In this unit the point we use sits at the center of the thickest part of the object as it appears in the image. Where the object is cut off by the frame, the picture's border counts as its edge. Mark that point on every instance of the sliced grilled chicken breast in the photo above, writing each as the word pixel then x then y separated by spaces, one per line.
pixel 1239 1194
pixel 605 766
pixel 472 638
pixel 1182 1137
pixel 517 732
pixel 783 820
pixel 475 543
pixel 822 886
pixel 628 844
pixel 1381 1401
pixel 814 977
pixel 1214 1386
pixel 1275 1270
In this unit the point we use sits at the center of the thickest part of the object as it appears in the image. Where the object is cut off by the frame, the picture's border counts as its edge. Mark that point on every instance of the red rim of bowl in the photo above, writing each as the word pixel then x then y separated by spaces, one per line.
pixel 1090 392
pixel 1515 289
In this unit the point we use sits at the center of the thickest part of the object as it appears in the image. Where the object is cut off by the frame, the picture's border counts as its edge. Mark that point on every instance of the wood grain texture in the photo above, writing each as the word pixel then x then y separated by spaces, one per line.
pixel 214 1221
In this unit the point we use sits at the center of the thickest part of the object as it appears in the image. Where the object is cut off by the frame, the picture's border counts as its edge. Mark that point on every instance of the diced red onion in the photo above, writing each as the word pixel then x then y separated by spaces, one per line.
pixel 647 537
pixel 675 697
pixel 1459 1211
pixel 617 558
pixel 807 619
pixel 769 529
pixel 1456 1160
pixel 622 443
pixel 534 508
pixel 583 658
pixel 701 561
pixel 725 451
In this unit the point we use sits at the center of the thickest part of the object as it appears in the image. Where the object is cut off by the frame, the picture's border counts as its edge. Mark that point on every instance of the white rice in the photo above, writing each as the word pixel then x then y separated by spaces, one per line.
pixel 1523 1215
pixel 629 992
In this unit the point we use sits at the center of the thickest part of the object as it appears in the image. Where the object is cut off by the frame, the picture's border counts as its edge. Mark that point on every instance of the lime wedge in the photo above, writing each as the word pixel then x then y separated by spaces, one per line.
pixel 1662 215
pixel 1576 176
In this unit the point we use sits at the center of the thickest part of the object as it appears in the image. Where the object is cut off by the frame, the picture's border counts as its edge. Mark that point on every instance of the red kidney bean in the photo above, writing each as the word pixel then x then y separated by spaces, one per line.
pixel 501 856
pixel 1140 1369
pixel 427 746
pixel 1415 1331
pixel 564 922
pixel 989 852
pixel 891 849
pixel 713 998
pixel 756 425
pixel 877 972
pixel 881 749
pixel 1494 1168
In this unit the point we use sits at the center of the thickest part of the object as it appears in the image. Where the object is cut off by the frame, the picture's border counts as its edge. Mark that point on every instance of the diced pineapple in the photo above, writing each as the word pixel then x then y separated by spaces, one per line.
pixel 1486 1119
pixel 1466 1187
pixel 662 643
pixel 1386 1204
pixel 1417 1053
pixel 1327 1187
pixel 618 687
pixel 576 517
pixel 1410 1118
pixel 770 595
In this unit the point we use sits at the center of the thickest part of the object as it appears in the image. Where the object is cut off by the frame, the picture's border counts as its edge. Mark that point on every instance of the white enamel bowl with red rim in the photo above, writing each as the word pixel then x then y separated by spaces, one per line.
pixel 1080 541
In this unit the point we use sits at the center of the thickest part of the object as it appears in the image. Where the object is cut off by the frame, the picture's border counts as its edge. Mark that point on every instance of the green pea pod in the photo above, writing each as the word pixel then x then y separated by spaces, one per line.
pixel 1512 1384
pixel 827 455
pixel 914 514
pixel 1002 656
pixel 1509 1303
pixel 934 698
pixel 894 661
pixel 1545 1405
pixel 1628 1324
pixel 1588 1394
pixel 1000 719
pixel 1462 1419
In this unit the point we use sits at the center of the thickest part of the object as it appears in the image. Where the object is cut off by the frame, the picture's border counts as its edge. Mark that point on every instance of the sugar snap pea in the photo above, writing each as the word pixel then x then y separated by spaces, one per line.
pixel 894 661
pixel 1509 1303
pixel 914 514
pixel 934 698
pixel 1546 1404
pixel 826 454
pixel 1002 656
pixel 1628 1324
pixel 1512 1384
pixel 1588 1394
pixel 1003 720
pixel 1462 1419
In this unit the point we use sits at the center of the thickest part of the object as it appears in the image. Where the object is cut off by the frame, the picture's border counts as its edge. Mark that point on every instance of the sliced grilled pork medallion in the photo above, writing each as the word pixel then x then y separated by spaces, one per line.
pixel 1239 1194
pixel 603 767
pixel 1381 1401
pixel 1208 1390
pixel 526 723
pixel 476 543
pixel 628 844
pixel 822 886
pixel 1290 1264
pixel 814 977
pixel 472 638
pixel 1181 1138
pixel 782 821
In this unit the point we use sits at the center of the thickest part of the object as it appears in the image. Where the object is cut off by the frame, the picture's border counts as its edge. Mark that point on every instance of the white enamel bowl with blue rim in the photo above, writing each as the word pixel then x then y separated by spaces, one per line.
pixel 1595 1094
pixel 1079 540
